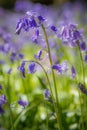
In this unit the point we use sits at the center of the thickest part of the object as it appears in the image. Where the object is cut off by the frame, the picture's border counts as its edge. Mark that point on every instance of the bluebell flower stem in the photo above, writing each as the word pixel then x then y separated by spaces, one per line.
pixel 83 71
pixel 58 112
pixel 84 97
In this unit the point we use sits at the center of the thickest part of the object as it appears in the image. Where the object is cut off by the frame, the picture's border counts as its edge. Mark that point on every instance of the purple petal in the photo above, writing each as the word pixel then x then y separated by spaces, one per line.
pixel 23 103
pixel 31 68
pixel 73 72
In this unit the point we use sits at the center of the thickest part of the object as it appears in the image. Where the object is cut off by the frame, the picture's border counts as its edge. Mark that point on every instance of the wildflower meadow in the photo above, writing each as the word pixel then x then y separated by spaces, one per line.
pixel 43 66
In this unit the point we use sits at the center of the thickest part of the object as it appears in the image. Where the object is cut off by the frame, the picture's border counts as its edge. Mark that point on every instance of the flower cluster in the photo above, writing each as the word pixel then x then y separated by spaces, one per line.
pixel 31 20
pixel 60 68
pixel 70 35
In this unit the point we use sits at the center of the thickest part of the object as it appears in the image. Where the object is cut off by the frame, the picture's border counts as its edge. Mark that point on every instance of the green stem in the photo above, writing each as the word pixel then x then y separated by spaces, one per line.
pixel 46 115
pixel 84 98
pixel 58 112
pixel 82 63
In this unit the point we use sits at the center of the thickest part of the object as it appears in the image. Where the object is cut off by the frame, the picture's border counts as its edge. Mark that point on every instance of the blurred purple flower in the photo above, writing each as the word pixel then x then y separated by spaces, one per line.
pixel 2 62
pixel 37 32
pixel 53 28
pixel 0 87
pixel 73 72
pixel 38 56
pixel 1 110
pixel 22 24
pixel 83 46
pixel 41 19
pixel 13 56
pixel 9 71
pixel 21 68
pixel 46 94
pixel 21 56
pixel 3 99
pixel 23 103
pixel 82 88
pixel 60 68
pixel 85 58
pixel 70 34
pixel 32 68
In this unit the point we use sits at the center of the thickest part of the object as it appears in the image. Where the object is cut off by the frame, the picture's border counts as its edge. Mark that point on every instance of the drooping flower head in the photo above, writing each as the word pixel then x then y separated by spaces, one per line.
pixel 38 56
pixel 60 68
pixel 85 58
pixel 46 94
pixel 32 68
pixel 82 88
pixel 73 72
pixel 3 100
pixel 31 20
pixel 70 34
pixel 21 68
pixel 23 103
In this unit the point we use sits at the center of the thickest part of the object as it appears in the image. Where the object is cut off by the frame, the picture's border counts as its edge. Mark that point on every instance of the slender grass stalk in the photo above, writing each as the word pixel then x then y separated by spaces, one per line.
pixel 11 118
pixel 58 112
pixel 47 127
pixel 82 64
pixel 8 93
pixel 84 98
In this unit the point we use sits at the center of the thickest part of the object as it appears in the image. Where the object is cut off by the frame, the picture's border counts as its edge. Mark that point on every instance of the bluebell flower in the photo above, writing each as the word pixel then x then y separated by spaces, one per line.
pixel 83 46
pixel 70 34
pixel 3 99
pixel 60 68
pixel 41 19
pixel 19 27
pixel 0 87
pixel 82 88
pixel 85 58
pixel 73 72
pixel 21 56
pixel 37 32
pixel 54 28
pixel 38 56
pixel 32 68
pixel 1 110
pixel 9 71
pixel 34 39
pixel 22 69
pixel 13 56
pixel 46 94
pixel 22 24
pixel 23 103
pixel 32 23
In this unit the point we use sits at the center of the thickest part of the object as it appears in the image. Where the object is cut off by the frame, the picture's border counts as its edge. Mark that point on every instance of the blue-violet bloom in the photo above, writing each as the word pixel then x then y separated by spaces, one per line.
pixel 32 68
pixel 23 103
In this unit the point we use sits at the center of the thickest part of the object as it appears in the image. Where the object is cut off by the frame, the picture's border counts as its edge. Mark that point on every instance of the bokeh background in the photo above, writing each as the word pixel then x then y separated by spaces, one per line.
pixel 31 88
